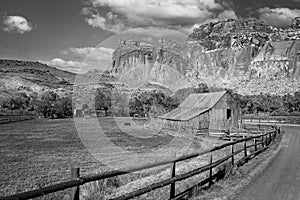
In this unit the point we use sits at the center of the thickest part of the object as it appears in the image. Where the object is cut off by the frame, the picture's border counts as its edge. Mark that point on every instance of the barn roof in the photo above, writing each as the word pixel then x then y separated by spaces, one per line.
pixel 194 105
pixel 278 51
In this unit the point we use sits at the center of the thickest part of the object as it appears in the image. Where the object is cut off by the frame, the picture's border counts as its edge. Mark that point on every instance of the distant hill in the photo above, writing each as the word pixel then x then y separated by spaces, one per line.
pixel 26 76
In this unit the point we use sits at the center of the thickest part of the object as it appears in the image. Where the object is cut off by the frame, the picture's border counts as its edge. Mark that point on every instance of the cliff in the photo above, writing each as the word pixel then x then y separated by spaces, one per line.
pixel 245 55
pixel 137 64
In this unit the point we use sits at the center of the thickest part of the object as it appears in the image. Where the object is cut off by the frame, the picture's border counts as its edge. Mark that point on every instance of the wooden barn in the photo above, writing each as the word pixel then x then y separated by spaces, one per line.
pixel 217 111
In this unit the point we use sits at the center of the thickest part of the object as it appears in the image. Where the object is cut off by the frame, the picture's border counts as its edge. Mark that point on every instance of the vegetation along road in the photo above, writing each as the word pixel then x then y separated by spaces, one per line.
pixel 281 179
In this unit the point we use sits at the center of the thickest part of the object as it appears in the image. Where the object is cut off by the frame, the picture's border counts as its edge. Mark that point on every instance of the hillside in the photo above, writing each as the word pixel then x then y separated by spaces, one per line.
pixel 25 76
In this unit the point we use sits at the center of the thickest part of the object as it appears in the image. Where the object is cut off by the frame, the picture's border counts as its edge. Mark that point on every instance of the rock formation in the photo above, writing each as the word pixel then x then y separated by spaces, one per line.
pixel 244 55
pixel 137 63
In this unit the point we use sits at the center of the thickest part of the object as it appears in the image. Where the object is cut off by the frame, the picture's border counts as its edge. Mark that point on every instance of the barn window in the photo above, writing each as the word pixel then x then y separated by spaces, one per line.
pixel 228 113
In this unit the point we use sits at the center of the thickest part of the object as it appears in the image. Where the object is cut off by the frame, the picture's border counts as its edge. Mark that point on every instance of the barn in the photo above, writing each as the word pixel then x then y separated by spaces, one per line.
pixel 217 111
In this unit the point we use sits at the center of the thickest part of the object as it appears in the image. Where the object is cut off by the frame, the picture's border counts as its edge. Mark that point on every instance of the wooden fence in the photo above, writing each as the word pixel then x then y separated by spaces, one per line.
pixel 271 119
pixel 259 143
pixel 12 118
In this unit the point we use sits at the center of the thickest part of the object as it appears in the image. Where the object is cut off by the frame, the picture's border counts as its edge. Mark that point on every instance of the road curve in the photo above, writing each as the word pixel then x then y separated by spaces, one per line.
pixel 281 179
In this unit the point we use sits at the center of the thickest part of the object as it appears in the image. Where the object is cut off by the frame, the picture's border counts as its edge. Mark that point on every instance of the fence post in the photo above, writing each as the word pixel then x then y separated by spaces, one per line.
pixel 75 173
pixel 245 147
pixel 255 142
pixel 172 187
pixel 232 152
pixel 266 139
pixel 210 170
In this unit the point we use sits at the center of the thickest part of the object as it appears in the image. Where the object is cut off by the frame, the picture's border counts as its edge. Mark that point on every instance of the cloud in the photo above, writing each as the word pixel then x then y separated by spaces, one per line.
pixel 278 17
pixel 88 52
pixel 111 23
pixel 17 24
pixel 84 59
pixel 175 14
pixel 71 66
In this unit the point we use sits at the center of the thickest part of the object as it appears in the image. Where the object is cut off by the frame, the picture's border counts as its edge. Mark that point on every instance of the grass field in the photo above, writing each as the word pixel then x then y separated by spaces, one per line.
pixel 37 153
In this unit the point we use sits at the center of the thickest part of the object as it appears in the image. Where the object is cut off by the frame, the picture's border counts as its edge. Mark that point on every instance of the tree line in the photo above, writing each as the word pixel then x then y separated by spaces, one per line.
pixel 49 104
pixel 142 103
pixel 272 104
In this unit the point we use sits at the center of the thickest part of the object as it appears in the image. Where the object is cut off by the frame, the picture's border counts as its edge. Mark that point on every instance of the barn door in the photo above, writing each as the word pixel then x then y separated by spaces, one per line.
pixel 228 118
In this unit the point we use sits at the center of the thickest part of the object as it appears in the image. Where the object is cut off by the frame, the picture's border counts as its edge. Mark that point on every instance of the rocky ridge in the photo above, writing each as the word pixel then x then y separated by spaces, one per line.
pixel 220 54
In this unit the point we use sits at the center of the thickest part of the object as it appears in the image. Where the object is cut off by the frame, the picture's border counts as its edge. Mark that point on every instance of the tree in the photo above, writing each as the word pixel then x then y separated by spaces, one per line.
pixel 63 107
pixel 16 102
pixel 155 102
pixel 103 99
pixel 47 104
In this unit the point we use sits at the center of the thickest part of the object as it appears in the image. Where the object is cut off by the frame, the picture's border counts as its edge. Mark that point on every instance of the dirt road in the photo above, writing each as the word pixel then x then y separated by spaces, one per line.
pixel 281 179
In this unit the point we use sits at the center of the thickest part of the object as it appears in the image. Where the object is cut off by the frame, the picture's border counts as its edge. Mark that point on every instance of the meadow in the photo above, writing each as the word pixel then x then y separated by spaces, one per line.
pixel 37 153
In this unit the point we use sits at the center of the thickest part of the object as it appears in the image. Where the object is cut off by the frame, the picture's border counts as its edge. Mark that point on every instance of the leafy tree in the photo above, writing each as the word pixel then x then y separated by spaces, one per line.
pixel 47 104
pixel 120 104
pixel 155 102
pixel 103 99
pixel 16 102
pixel 63 107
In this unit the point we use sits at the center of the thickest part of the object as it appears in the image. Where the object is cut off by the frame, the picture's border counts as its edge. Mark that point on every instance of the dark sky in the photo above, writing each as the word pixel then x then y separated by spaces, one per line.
pixel 58 24
pixel 63 32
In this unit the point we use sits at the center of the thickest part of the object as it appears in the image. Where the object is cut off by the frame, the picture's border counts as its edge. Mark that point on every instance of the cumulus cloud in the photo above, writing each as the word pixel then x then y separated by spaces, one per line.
pixel 87 52
pixel 84 59
pixel 278 17
pixel 71 66
pixel 175 14
pixel 18 24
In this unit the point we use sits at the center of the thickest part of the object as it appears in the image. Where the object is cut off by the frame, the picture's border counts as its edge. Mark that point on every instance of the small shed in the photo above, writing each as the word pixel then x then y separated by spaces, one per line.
pixel 217 111
pixel 78 110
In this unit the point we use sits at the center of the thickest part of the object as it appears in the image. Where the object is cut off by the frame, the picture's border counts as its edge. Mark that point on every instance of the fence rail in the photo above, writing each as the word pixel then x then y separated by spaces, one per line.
pixel 8 119
pixel 271 119
pixel 260 143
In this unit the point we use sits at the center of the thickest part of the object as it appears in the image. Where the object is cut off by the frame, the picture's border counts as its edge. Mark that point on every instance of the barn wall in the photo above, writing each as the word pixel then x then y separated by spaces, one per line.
pixel 199 122
pixel 218 114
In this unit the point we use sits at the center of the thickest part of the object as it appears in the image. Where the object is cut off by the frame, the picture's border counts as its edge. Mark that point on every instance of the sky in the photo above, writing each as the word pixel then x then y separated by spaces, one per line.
pixel 64 33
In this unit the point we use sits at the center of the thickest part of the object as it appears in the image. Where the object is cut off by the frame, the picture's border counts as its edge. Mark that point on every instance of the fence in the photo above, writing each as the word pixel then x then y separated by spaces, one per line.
pixel 8 119
pixel 259 143
pixel 271 119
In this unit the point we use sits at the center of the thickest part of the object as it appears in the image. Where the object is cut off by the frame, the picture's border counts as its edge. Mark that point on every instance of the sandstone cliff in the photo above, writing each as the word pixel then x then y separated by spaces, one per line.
pixel 245 55
pixel 137 64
